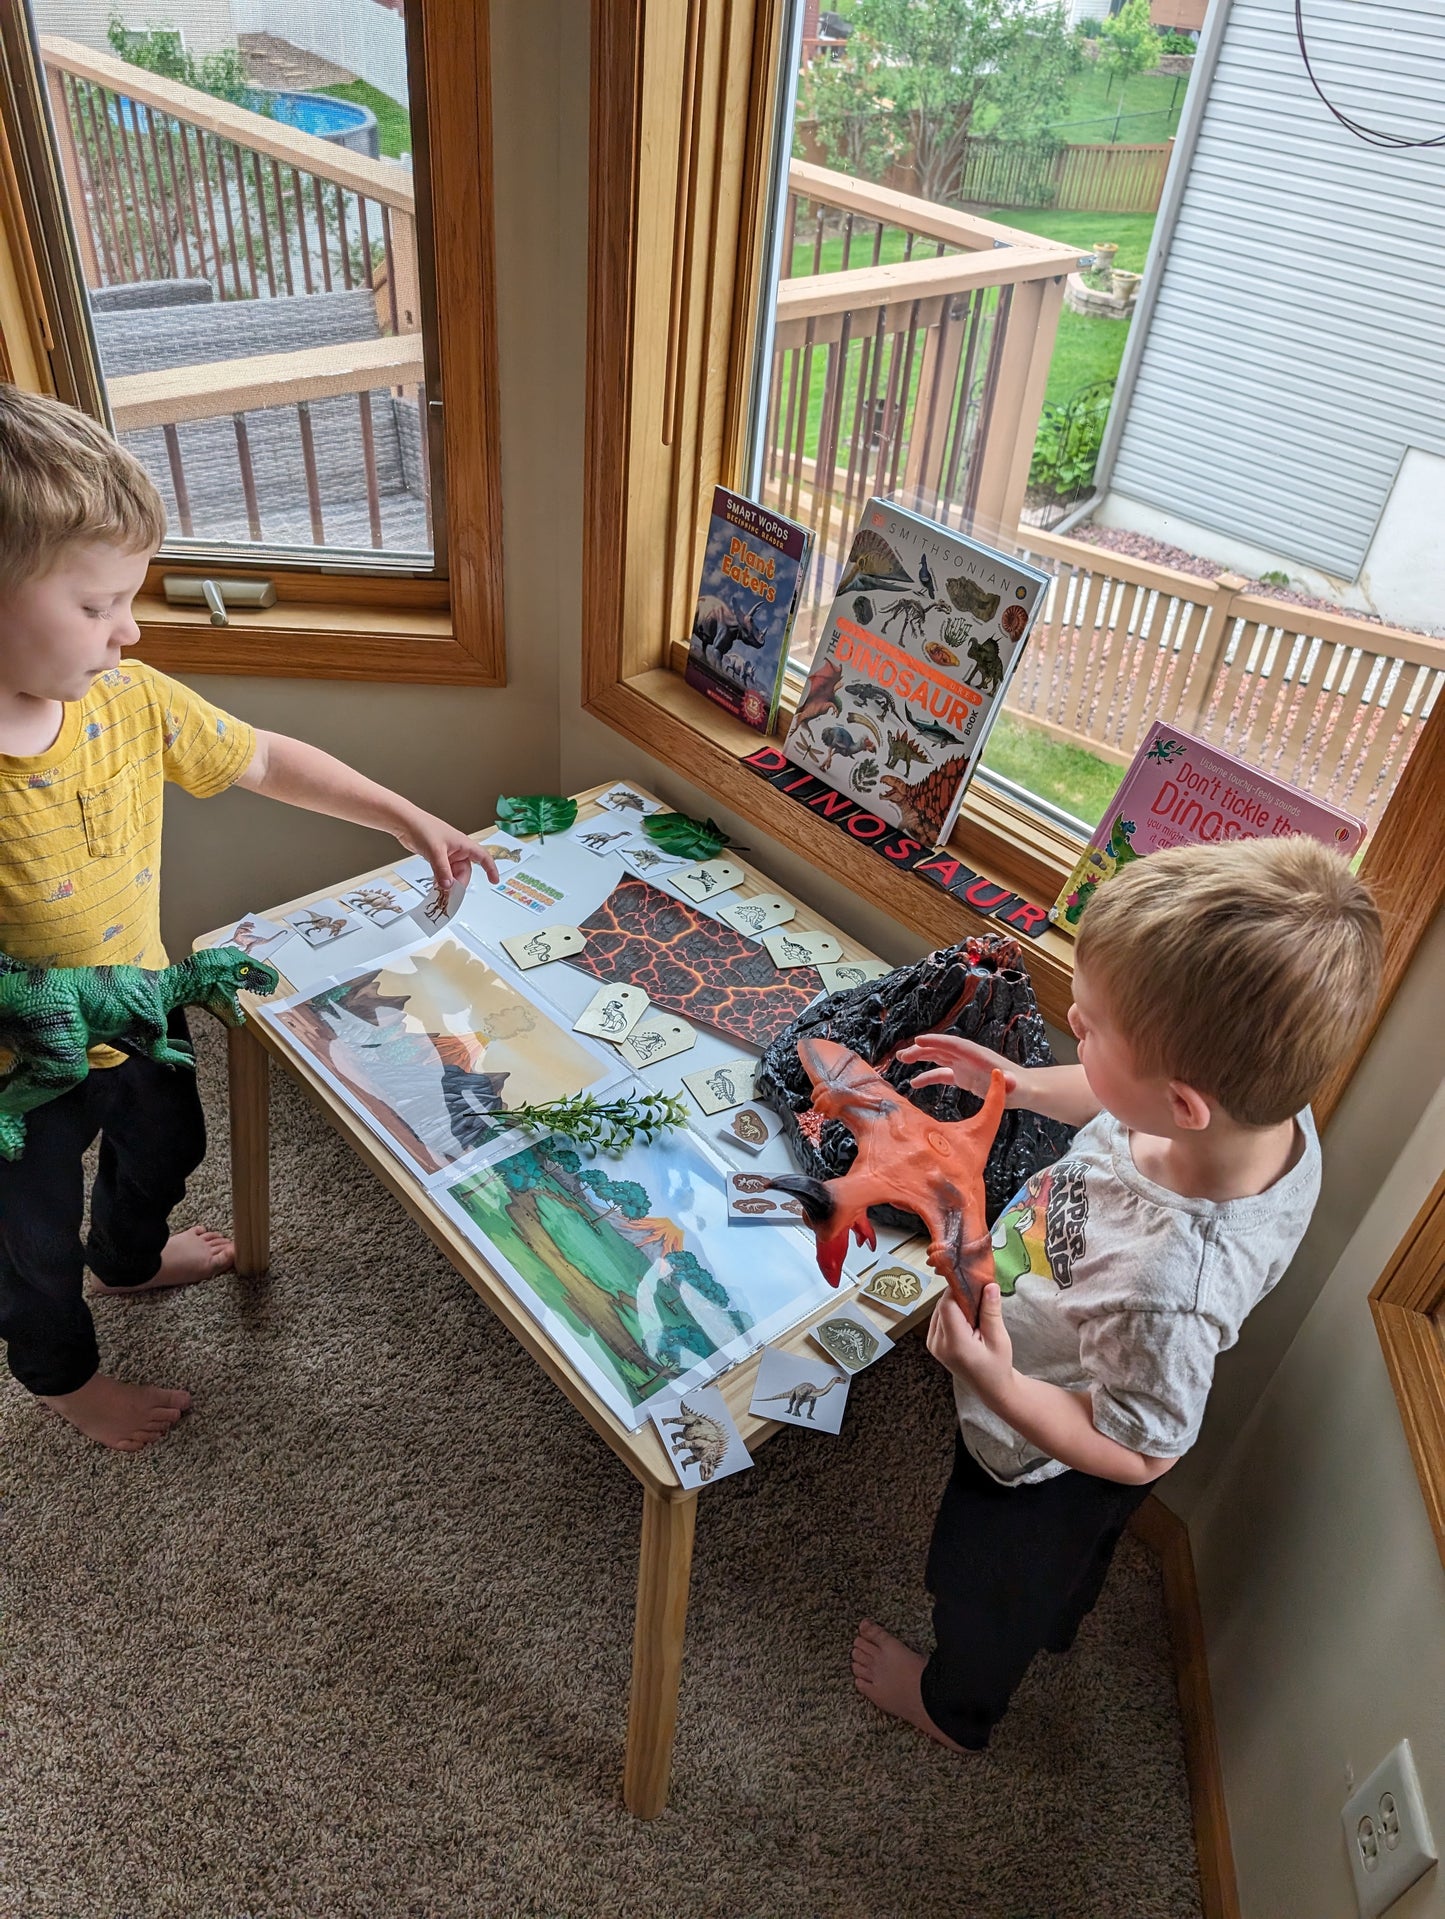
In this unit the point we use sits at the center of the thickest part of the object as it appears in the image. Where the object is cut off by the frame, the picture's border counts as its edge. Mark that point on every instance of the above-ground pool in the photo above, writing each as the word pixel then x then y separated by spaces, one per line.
pixel 342 122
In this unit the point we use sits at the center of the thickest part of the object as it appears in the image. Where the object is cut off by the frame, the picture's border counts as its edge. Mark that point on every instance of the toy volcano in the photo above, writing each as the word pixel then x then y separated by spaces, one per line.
pixel 905 1158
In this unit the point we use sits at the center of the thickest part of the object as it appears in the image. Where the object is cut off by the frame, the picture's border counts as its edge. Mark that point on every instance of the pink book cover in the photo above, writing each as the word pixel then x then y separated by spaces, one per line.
pixel 1180 791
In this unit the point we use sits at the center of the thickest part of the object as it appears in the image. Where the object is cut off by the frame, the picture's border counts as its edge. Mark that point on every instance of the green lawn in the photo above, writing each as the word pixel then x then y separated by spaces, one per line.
pixel 1087 348
pixel 393 123
pixel 1147 108
pixel 1067 775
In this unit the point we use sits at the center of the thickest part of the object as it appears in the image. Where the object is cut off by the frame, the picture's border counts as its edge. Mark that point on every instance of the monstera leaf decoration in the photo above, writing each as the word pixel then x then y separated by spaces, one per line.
pixel 539 813
pixel 684 837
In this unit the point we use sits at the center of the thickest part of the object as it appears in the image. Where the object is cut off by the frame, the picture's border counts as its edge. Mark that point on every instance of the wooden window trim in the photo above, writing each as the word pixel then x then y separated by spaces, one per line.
pixel 675 234
pixel 1408 1302
pixel 445 631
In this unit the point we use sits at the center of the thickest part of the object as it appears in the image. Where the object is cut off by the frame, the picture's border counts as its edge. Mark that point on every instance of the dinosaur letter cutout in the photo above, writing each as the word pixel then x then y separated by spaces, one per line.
pixel 905 1158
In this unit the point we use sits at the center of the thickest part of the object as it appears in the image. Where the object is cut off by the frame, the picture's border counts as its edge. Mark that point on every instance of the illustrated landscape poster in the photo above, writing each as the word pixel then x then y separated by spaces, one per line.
pixel 630 1266
pixel 428 1041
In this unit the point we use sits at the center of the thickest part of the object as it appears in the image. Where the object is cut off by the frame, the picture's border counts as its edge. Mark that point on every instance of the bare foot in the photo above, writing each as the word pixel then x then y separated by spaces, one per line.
pixel 119 1415
pixel 190 1256
pixel 888 1672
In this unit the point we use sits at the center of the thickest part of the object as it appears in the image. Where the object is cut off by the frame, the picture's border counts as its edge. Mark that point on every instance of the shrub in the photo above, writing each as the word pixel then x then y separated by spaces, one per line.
pixel 1066 447
pixel 159 50
pixel 1176 42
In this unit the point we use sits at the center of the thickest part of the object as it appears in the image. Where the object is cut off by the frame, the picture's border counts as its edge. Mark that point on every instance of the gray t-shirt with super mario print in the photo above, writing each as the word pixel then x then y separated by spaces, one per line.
pixel 1117 1288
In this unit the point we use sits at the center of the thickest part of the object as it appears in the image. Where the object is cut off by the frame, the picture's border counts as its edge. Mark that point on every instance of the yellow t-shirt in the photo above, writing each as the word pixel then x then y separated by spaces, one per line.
pixel 80 824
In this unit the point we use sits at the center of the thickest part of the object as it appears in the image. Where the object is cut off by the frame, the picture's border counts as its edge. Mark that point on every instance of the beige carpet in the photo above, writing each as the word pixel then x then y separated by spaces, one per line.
pixel 354 1639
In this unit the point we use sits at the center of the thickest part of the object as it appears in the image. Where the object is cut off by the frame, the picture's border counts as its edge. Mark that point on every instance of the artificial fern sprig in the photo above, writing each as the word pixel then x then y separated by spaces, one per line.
pixel 608 1126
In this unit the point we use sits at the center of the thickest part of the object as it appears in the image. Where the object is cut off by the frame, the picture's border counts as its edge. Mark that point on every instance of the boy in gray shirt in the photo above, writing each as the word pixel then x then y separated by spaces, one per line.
pixel 1215 991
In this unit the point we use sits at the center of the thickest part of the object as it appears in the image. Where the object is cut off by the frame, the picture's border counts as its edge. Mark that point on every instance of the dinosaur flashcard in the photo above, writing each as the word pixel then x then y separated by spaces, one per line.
pixel 799 1390
pixel 687 963
pixel 256 936
pixel 611 1013
pixel 721 1087
pixel 706 881
pixel 750 1128
pixel 625 799
pixel 895 1286
pixel 439 908
pixel 801 949
pixel 323 923
pixel 382 901
pixel 757 913
pixel 656 1040
pixel 852 1339
pixel 841 975
pixel 753 1201
pixel 537 949
pixel 647 860
pixel 700 1439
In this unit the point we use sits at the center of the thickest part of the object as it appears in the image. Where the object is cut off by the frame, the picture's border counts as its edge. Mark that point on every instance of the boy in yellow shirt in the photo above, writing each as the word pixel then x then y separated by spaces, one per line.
pixel 87 741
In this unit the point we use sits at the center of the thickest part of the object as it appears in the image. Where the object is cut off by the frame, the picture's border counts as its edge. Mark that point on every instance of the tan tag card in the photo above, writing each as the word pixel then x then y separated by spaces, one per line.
pixel 612 1012
pixel 657 1039
pixel 845 973
pixel 552 943
pixel 756 913
pixel 750 1127
pixel 850 1339
pixel 802 949
pixel 712 877
pixel 718 1088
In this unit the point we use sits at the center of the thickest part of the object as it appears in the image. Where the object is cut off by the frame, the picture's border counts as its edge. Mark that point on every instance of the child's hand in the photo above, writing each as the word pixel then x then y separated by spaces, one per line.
pixel 446 851
pixel 961 1062
pixel 984 1359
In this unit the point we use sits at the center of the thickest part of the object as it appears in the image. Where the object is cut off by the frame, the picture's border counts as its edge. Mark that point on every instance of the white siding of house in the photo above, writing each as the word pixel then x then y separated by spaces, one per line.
pixel 367 39
pixel 1297 345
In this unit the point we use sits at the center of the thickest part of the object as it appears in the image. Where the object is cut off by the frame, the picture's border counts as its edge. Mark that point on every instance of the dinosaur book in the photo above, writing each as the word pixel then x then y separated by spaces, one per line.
pixel 1180 791
pixel 753 571
pixel 924 633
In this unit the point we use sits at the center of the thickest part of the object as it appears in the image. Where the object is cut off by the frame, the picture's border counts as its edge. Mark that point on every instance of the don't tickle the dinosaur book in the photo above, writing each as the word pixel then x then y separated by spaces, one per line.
pixel 752 579
pixel 924 633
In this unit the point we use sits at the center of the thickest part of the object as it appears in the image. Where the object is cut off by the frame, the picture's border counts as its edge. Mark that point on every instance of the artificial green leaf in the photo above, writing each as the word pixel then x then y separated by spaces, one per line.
pixel 609 1126
pixel 684 837
pixel 539 813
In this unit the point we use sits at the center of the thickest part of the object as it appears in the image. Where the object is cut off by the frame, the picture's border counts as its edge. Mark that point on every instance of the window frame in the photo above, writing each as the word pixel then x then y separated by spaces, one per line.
pixel 327 624
pixel 676 227
pixel 1408 1307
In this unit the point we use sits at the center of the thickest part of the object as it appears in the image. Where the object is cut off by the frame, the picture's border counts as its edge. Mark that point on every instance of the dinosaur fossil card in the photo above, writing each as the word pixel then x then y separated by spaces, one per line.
pixel 921 640
pixel 628 1265
pixel 754 1201
pixel 749 1129
pixel 897 1286
pixel 851 1338
pixel 687 963
pixel 429 1041
pixel 700 1439
pixel 800 1389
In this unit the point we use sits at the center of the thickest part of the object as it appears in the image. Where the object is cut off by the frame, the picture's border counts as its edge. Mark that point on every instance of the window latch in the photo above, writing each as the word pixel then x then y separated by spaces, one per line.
pixel 183 590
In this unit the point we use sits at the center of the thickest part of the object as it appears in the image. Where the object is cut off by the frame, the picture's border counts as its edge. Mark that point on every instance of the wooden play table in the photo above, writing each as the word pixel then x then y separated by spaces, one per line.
pixel 668 1512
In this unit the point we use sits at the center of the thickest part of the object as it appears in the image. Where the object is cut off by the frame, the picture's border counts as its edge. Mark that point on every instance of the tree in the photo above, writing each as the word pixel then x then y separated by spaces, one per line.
pixel 922 77
pixel 1128 43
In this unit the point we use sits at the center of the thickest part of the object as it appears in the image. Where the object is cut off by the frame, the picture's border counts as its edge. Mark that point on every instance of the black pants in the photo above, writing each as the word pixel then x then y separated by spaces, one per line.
pixel 1012 1569
pixel 152 1136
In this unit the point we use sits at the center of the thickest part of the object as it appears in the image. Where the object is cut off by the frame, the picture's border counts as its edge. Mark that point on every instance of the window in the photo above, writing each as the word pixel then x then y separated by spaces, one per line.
pixel 718 350
pixel 1408 1304
pixel 233 240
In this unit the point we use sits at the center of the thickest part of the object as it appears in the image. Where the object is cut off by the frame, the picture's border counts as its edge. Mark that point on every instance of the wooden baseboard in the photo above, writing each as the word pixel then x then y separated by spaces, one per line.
pixel 1167 1537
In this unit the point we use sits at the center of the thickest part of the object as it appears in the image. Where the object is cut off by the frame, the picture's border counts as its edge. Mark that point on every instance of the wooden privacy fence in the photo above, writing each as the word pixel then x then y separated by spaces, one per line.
pixel 909 355
pixel 174 193
pixel 1330 703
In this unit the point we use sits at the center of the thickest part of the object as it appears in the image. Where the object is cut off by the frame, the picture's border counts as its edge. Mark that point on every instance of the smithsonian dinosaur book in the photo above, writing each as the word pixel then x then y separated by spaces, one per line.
pixel 1180 791
pixel 753 571
pixel 922 639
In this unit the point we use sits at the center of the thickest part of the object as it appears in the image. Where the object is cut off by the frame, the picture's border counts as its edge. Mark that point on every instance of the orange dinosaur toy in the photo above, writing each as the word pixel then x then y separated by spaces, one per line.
pixel 932 1167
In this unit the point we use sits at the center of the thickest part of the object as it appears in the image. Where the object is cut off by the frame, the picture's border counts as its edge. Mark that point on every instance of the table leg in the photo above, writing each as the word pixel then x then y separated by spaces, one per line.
pixel 250 1151
pixel 663 1572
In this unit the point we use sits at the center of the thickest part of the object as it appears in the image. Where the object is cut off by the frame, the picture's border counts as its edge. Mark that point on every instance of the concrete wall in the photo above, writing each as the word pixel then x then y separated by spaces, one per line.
pixel 1322 1590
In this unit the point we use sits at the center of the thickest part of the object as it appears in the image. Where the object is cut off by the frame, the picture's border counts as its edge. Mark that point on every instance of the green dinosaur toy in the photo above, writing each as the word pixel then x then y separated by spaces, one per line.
pixel 51 1016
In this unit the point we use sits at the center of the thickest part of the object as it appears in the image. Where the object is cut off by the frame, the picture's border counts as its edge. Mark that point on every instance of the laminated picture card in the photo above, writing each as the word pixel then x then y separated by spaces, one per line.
pixel 1180 791
pixel 922 639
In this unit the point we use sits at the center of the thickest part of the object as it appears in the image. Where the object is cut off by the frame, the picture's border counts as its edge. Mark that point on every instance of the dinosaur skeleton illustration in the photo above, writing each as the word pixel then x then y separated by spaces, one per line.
pixel 846 1341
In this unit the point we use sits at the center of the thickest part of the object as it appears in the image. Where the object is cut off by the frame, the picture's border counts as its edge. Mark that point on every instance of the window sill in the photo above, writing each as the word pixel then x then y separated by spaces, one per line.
pixel 659 712
pixel 362 630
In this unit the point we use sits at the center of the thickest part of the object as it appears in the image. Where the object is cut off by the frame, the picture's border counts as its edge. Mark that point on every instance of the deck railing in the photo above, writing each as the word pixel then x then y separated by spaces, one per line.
pixel 1331 703
pixel 909 357
pixel 166 183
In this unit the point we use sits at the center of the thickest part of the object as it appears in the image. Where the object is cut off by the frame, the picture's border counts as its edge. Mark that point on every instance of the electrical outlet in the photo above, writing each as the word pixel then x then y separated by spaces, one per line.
pixel 1387 1833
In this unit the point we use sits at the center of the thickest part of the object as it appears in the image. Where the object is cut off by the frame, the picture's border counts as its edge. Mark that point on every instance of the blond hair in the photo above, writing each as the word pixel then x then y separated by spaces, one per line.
pixel 1244 970
pixel 63 478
